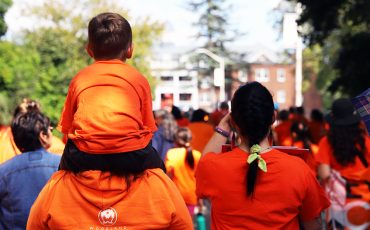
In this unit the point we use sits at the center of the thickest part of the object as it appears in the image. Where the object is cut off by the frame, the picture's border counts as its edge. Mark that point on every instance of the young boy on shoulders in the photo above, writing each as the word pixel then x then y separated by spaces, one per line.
pixel 108 109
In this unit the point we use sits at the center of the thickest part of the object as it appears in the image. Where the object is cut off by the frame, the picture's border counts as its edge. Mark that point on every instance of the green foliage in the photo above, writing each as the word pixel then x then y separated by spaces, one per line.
pixel 4 6
pixel 52 53
pixel 343 26
pixel 19 67
pixel 212 24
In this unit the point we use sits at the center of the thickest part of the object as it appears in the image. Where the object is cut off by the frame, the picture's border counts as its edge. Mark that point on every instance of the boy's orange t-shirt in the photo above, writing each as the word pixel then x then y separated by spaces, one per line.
pixel 108 109
pixel 97 200
pixel 287 192
pixel 183 175
pixel 351 171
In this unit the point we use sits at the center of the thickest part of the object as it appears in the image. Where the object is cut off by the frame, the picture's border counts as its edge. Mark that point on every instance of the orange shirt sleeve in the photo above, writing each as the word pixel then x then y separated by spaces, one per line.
pixel 315 200
pixel 66 119
pixel 147 109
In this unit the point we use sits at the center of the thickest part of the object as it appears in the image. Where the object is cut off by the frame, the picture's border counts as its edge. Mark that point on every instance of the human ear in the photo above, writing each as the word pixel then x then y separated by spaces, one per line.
pixel 89 50
pixel 45 139
pixel 129 51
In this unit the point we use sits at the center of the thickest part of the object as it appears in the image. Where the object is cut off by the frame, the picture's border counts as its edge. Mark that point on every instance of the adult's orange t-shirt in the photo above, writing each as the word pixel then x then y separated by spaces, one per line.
pixel 108 109
pixel 201 132
pixel 97 200
pixel 182 175
pixel 282 131
pixel 351 171
pixel 8 149
pixel 287 192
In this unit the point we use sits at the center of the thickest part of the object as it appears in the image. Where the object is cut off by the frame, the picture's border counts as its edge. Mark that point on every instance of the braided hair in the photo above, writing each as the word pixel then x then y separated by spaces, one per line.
pixel 252 110
pixel 183 138
pixel 347 143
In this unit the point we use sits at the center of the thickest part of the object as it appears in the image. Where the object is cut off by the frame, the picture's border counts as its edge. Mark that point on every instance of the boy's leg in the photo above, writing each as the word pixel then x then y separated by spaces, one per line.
pixel 131 162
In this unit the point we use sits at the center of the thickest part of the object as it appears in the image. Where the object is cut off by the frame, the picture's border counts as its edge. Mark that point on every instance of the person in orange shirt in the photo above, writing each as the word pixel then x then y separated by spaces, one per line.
pixel 181 163
pixel 108 108
pixel 181 120
pixel 219 113
pixel 8 148
pixel 301 139
pixel 254 186
pixel 282 130
pixel 78 198
pixel 316 126
pixel 344 153
pixel 200 129
pixel 346 148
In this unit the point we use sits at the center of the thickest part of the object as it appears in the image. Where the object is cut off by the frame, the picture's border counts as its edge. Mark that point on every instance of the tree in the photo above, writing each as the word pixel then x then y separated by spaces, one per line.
pixel 58 47
pixel 4 6
pixel 18 76
pixel 343 24
pixel 212 24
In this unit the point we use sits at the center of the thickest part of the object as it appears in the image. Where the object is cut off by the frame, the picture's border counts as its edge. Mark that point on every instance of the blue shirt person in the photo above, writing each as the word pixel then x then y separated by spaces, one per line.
pixel 23 176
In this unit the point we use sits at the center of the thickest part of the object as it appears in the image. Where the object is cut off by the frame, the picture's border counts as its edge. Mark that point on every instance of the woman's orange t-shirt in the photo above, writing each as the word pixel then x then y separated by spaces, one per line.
pixel 108 109
pixel 182 175
pixel 287 192
pixel 351 171
pixel 97 200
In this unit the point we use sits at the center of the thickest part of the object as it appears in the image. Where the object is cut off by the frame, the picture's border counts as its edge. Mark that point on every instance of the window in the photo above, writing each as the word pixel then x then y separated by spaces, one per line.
pixel 185 96
pixel 281 96
pixel 280 75
pixel 262 75
pixel 166 78
pixel 185 78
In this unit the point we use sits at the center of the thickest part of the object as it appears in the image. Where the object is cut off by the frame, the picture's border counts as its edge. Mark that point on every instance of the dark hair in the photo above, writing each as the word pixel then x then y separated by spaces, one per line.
pixel 347 143
pixel 283 115
pixel 199 115
pixel 224 105
pixel 26 129
pixel 252 110
pixel 317 115
pixel 176 112
pixel 25 106
pixel 183 138
pixel 301 132
pixel 300 110
pixel 128 165
pixel 109 35
pixel 292 110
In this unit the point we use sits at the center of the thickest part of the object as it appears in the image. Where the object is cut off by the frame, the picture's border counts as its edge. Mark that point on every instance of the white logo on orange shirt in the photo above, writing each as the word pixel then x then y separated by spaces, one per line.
pixel 108 216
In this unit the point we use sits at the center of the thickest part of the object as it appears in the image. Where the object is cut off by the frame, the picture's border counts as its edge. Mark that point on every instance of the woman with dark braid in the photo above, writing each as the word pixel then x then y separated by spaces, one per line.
pixel 254 186
pixel 181 163
pixel 346 148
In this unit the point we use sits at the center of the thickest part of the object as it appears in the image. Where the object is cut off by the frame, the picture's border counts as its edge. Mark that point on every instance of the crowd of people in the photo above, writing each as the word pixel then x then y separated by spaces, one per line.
pixel 121 165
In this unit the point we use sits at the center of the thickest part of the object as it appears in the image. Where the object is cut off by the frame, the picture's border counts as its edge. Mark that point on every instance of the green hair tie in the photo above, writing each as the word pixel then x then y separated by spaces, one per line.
pixel 255 150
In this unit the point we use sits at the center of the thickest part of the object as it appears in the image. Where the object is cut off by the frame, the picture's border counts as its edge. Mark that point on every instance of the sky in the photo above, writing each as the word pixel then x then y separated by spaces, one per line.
pixel 252 18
